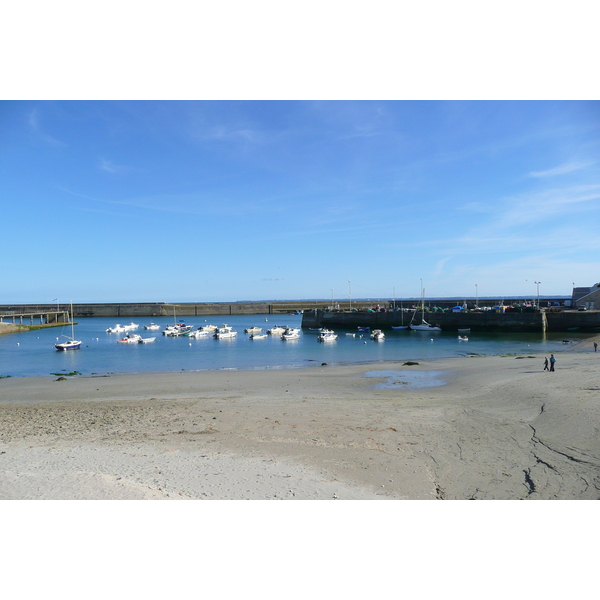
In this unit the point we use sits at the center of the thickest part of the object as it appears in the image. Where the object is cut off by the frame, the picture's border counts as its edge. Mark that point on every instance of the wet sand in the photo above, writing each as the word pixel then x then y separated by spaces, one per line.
pixel 489 428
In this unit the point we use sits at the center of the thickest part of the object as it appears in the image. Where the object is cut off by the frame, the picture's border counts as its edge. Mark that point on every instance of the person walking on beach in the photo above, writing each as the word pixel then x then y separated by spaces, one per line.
pixel 546 364
pixel 595 347
pixel 552 361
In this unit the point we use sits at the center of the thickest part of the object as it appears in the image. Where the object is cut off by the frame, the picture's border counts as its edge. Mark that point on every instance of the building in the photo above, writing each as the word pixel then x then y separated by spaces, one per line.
pixel 588 298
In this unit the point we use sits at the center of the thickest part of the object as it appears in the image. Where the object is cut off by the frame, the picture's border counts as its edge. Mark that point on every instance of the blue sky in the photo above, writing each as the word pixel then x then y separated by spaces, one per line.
pixel 249 200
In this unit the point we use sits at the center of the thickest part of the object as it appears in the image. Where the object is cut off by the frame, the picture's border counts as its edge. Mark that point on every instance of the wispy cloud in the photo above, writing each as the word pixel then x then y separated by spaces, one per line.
pixel 560 170
pixel 529 208
pixel 33 120
pixel 110 167
pixel 439 267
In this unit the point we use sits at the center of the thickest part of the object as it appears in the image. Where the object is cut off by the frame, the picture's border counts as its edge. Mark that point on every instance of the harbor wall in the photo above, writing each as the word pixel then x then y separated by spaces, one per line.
pixel 490 321
pixel 151 309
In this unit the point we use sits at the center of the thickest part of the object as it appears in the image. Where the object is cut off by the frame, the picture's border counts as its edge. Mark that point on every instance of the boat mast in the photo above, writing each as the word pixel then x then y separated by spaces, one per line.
pixel 72 323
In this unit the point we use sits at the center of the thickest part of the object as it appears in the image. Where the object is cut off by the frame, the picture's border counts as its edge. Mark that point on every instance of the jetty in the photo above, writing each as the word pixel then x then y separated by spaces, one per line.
pixel 13 321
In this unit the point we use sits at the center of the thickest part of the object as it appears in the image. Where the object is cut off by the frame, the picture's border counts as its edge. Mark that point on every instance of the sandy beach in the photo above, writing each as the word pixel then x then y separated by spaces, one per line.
pixel 462 428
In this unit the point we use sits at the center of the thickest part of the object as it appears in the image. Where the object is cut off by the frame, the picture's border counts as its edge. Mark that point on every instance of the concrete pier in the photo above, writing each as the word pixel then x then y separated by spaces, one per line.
pixel 40 317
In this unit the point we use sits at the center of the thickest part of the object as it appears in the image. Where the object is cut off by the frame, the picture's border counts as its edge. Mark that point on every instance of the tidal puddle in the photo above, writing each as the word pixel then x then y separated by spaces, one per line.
pixel 407 380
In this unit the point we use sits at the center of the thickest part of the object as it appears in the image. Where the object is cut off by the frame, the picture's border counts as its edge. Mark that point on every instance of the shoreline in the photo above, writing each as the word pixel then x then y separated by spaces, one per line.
pixel 498 428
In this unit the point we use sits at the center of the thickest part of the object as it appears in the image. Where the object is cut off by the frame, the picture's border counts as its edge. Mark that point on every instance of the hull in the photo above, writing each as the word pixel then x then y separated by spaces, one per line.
pixel 68 346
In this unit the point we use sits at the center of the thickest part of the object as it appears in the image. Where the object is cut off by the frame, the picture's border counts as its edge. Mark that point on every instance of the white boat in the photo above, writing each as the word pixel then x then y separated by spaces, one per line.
pixel 177 330
pixel 253 330
pixel 199 333
pixel 72 343
pixel 377 335
pixel 146 340
pixel 290 333
pixel 424 325
pixel 223 335
pixel 277 330
pixel 465 330
pixel 294 335
pixel 118 328
pixel 327 336
pixel 258 336
pixel 130 339
pixel 152 327
pixel 463 338
pixel 130 327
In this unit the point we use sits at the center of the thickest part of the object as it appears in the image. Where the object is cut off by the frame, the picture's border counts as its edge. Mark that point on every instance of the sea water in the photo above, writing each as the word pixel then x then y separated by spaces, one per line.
pixel 32 353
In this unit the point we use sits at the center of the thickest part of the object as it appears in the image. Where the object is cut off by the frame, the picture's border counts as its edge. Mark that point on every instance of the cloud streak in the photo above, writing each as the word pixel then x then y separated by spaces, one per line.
pixel 33 120
pixel 560 170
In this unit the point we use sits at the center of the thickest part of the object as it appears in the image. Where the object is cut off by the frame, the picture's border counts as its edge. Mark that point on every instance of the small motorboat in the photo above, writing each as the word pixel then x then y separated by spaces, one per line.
pixel 146 340
pixel 463 338
pixel 258 336
pixel 253 330
pixel 177 330
pixel 118 328
pixel 152 327
pixel 199 333
pixel 290 333
pixel 130 339
pixel 225 332
pixel 327 336
pixel 378 335
pixel 277 330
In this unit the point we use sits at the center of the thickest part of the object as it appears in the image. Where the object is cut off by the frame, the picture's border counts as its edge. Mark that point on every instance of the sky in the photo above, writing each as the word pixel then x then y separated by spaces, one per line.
pixel 225 152
pixel 199 201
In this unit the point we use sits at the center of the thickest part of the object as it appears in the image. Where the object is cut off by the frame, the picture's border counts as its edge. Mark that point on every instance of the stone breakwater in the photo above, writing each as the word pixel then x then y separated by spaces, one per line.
pixel 163 309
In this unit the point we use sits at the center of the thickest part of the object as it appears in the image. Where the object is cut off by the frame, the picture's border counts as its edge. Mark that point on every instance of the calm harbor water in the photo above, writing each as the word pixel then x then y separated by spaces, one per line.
pixel 32 353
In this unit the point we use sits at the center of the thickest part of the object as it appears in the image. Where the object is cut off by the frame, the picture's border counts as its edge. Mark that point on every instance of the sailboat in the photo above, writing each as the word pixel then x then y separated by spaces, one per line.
pixel 424 326
pixel 72 344
pixel 403 326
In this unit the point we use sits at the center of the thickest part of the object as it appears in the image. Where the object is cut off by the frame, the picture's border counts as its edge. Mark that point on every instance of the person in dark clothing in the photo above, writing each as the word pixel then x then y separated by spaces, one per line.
pixel 546 364
pixel 552 361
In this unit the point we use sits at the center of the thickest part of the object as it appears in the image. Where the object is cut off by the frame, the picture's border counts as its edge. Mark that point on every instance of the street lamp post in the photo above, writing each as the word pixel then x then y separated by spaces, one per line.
pixel 538 293
pixel 331 298
pixel 476 297
pixel 350 295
